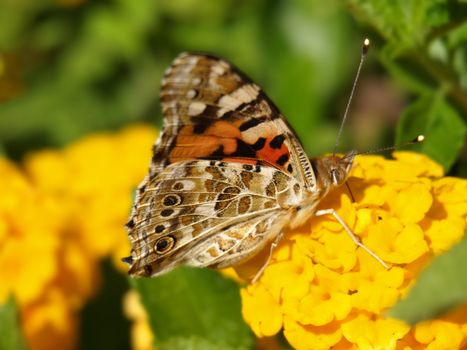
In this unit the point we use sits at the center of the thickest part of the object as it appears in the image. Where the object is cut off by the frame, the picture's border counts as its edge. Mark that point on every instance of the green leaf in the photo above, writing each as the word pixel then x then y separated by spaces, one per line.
pixel 440 288
pixel 404 23
pixel 193 343
pixel 442 126
pixel 196 307
pixel 11 337
pixel 412 78
pixel 103 325
pixel 456 39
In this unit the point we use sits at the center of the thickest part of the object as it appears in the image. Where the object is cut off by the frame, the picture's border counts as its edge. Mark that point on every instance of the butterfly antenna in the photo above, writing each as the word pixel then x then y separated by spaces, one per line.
pixel 366 45
pixel 416 140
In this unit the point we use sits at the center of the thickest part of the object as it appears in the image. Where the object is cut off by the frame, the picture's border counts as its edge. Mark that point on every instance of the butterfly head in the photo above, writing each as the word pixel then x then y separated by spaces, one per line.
pixel 332 171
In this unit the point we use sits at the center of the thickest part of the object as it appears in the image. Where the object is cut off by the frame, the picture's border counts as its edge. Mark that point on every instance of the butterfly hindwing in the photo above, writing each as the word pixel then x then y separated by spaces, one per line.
pixel 207 213
pixel 213 111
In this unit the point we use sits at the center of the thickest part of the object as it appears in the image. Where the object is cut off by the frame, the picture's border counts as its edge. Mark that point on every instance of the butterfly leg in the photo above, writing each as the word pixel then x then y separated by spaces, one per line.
pixel 354 238
pixel 273 246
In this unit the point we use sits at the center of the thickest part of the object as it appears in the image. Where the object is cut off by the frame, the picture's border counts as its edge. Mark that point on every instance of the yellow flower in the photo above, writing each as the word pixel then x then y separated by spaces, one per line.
pixel 141 334
pixel 312 337
pixel 372 335
pixel 50 323
pixel 268 317
pixel 96 176
pixel 440 335
pixel 28 248
pixel 30 256
pixel 58 219
pixel 325 293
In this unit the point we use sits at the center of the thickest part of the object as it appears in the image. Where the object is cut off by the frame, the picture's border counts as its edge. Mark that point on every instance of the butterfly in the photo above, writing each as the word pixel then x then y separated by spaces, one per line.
pixel 228 174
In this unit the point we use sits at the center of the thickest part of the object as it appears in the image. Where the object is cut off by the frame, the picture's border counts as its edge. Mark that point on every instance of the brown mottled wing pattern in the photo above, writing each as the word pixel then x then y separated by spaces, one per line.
pixel 213 111
pixel 208 213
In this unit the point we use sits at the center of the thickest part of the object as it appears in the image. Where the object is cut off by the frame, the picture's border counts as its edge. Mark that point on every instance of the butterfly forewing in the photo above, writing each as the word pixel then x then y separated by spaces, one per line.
pixel 213 111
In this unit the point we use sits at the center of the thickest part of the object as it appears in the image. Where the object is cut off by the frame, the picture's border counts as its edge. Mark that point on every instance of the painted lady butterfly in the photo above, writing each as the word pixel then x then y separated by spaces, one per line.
pixel 228 174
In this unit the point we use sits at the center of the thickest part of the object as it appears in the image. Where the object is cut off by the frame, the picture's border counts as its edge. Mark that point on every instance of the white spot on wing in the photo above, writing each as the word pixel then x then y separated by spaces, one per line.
pixel 229 102
pixel 243 94
pixel 246 93
pixel 264 129
pixel 192 60
pixel 219 68
pixel 205 209
pixel 188 185
pixel 196 108
pixel 191 93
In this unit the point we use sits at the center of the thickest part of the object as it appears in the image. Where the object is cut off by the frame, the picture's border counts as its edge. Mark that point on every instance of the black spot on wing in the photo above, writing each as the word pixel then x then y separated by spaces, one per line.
pixel 161 245
pixel 167 212
pixel 259 144
pixel 218 153
pixel 277 141
pixel 200 128
pixel 251 123
pixel 142 189
pixel 282 159
pixel 128 260
pixel 243 150
pixel 130 224
pixel 205 120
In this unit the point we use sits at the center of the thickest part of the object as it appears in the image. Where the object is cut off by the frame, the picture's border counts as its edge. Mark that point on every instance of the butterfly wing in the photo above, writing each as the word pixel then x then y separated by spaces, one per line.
pixel 226 172
pixel 213 111
pixel 208 213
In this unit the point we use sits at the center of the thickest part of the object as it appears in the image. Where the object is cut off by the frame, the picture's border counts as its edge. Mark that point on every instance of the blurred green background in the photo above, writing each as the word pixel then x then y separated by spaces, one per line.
pixel 71 67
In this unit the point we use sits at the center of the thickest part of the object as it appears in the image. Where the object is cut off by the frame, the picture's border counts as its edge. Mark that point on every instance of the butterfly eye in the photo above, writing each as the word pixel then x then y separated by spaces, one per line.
pixel 164 244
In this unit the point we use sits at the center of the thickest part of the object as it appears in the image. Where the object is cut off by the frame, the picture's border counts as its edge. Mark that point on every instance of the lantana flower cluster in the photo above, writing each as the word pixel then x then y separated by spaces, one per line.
pixel 323 292
pixel 61 213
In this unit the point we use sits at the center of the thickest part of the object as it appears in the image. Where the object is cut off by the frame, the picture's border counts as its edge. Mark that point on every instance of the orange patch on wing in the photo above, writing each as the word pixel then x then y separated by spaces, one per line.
pixel 223 129
pixel 190 145
pixel 222 134
pixel 270 154
pixel 197 146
